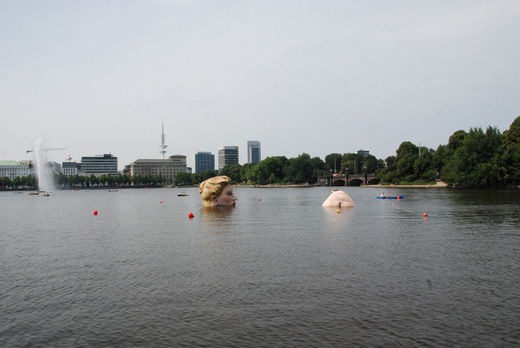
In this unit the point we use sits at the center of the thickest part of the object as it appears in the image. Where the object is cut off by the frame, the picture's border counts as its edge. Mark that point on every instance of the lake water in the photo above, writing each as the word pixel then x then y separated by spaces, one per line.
pixel 281 271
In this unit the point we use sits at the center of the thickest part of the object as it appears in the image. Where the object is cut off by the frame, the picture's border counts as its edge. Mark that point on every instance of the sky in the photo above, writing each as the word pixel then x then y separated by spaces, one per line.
pixel 314 77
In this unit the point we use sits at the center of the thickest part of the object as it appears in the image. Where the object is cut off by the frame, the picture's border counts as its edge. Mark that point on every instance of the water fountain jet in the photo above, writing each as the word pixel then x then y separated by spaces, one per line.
pixel 43 172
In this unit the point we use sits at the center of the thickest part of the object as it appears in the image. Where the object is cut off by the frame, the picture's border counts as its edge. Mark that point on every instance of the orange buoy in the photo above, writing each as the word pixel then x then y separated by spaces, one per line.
pixel 95 212
pixel 191 216
pixel 425 215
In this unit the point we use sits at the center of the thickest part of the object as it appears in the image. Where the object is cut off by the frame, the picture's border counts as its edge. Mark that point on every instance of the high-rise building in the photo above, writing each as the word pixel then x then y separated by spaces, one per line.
pixel 253 151
pixel 168 168
pixel 98 165
pixel 204 161
pixel 227 155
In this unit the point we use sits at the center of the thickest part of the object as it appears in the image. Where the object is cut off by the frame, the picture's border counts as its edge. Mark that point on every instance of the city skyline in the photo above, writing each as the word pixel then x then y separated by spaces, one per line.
pixel 314 77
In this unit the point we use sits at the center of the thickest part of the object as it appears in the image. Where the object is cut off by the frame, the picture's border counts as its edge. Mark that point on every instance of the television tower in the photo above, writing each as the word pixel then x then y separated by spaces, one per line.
pixel 163 146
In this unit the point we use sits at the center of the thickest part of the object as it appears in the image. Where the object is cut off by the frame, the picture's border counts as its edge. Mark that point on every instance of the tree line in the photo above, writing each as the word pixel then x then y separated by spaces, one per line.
pixel 477 158
pixel 84 181
pixel 302 169
pixel 18 182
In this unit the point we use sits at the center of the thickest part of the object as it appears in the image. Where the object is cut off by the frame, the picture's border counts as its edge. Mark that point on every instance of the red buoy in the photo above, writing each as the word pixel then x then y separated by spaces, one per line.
pixel 161 202
pixel 191 216
pixel 95 212
pixel 425 215
pixel 259 199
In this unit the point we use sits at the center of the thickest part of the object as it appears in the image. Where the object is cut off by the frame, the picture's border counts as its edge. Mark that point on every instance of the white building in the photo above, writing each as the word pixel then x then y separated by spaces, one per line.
pixel 13 169
pixel 70 168
pixel 168 168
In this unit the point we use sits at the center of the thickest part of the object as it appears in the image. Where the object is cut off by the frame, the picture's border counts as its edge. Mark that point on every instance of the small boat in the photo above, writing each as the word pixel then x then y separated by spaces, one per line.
pixel 34 193
pixel 46 194
pixel 390 197
pixel 182 194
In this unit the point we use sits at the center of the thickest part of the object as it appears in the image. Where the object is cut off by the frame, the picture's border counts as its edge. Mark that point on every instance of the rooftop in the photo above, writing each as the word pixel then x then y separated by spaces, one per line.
pixel 9 163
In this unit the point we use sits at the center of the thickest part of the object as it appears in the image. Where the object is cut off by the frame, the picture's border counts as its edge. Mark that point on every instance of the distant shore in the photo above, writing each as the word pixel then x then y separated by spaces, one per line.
pixel 439 184
pixel 275 185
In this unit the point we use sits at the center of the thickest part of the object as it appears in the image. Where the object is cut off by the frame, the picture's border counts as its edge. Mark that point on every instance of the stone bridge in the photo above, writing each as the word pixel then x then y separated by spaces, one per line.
pixel 348 180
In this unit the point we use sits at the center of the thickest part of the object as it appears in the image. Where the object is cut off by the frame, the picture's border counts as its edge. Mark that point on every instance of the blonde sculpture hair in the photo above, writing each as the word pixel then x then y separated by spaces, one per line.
pixel 212 187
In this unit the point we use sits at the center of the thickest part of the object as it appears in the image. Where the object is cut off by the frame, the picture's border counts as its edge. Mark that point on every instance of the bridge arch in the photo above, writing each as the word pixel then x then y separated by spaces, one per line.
pixel 356 182
pixel 338 182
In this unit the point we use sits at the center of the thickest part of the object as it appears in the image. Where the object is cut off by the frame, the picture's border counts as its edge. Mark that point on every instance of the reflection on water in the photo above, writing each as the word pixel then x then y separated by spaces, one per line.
pixel 276 270
pixel 216 214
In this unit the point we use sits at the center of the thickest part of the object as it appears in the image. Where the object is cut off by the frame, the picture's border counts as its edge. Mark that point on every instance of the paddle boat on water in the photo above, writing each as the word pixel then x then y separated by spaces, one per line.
pixel 390 197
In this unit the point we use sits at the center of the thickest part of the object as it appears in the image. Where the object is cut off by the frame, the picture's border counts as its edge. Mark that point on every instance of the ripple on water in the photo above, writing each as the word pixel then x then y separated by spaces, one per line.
pixel 277 272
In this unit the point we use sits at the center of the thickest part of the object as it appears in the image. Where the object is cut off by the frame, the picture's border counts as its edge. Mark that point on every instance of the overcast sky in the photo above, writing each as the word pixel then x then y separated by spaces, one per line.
pixel 299 76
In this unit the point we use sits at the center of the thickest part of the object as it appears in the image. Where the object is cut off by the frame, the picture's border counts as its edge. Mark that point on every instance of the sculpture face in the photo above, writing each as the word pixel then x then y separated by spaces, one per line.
pixel 216 191
pixel 339 199
pixel 226 197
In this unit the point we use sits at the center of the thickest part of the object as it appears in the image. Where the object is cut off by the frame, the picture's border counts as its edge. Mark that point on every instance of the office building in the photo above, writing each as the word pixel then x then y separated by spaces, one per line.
pixel 253 152
pixel 227 155
pixel 70 168
pixel 204 161
pixel 168 168
pixel 99 165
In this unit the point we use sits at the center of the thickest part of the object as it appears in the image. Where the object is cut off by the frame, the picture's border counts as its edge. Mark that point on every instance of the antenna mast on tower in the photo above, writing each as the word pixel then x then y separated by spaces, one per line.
pixel 163 145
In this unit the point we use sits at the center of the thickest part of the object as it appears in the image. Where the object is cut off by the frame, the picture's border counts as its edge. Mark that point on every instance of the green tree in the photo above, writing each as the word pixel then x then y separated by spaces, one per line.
pixel 248 172
pixel 511 156
pixel 94 180
pixel 333 161
pixel 234 171
pixel 455 141
pixel 444 160
pixel 182 179
pixel 352 163
pixel 423 165
pixel 197 178
pixel 388 173
pixel 391 163
pixel 370 164
pixel 478 159
pixel 318 168
pixel 5 182
pixel 440 157
pixel 29 181
pixel 300 169
pixel 406 155
pixel 270 170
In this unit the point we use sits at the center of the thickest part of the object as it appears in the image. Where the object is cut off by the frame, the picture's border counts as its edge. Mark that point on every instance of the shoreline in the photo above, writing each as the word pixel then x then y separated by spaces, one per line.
pixel 439 184
pixel 276 185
